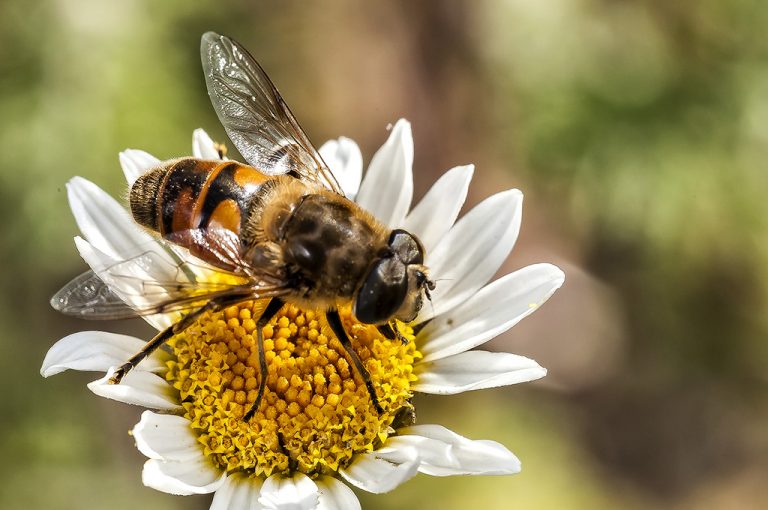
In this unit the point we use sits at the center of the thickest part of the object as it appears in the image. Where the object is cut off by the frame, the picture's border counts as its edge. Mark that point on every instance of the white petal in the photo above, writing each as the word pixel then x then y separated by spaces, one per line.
pixel 445 453
pixel 437 211
pixel 103 221
pixel 150 261
pixel 166 437
pixel 429 452
pixel 197 476
pixel 203 146
pixel 472 251
pixel 138 388
pixel 97 351
pixel 344 159
pixel 136 163
pixel 94 257
pixel 475 370
pixel 335 495
pixel 387 188
pixel 382 470
pixel 130 290
pixel 296 493
pixel 239 492
pixel 494 309
pixel 110 230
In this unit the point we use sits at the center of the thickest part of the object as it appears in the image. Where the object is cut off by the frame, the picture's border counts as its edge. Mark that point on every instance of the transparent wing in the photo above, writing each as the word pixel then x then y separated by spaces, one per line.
pixel 90 297
pixel 256 118
pixel 150 282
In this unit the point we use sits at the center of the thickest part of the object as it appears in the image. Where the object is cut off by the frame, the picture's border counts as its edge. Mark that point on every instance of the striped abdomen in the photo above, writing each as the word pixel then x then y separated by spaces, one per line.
pixel 190 194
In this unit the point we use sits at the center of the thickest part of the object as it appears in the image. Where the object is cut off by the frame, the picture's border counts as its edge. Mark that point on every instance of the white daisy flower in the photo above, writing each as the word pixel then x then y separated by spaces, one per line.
pixel 316 428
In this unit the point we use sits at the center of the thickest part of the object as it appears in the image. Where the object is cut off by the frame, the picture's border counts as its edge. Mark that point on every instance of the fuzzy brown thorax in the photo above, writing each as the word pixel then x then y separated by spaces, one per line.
pixel 326 242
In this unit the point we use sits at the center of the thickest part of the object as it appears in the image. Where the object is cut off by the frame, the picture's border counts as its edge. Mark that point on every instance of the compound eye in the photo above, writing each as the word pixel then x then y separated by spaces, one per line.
pixel 382 292
pixel 406 247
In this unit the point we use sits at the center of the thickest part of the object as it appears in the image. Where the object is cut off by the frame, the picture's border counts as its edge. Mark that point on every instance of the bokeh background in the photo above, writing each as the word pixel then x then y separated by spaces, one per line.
pixel 638 131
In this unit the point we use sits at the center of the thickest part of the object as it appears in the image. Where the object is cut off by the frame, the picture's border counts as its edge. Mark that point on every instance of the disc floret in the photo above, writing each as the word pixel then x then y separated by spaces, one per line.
pixel 316 414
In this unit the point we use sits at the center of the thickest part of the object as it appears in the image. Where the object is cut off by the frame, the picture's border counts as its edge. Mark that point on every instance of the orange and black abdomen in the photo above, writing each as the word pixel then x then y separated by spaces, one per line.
pixel 189 194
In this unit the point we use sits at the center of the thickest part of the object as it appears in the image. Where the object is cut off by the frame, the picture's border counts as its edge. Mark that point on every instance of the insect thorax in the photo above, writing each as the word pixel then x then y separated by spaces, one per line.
pixel 327 242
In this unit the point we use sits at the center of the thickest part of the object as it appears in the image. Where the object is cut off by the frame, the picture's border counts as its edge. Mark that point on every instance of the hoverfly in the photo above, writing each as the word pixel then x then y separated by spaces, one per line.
pixel 278 228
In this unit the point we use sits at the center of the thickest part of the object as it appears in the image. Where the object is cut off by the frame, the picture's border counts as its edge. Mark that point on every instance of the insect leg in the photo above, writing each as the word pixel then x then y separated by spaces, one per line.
pixel 391 331
pixel 272 308
pixel 167 333
pixel 338 329
pixel 386 331
pixel 292 462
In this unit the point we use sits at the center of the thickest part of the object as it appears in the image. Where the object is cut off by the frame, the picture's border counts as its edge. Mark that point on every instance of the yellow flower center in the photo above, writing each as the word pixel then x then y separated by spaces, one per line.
pixel 316 413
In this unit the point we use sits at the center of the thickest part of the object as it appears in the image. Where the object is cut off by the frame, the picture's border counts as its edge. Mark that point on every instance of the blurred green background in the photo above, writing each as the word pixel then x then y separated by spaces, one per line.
pixel 638 131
